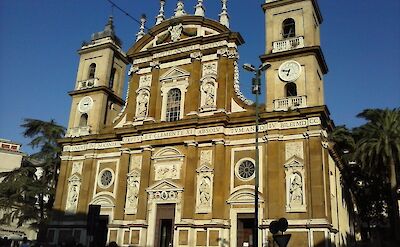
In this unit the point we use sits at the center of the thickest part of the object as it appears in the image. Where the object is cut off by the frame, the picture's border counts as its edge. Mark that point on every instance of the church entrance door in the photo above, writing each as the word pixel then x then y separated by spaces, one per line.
pixel 245 231
pixel 165 225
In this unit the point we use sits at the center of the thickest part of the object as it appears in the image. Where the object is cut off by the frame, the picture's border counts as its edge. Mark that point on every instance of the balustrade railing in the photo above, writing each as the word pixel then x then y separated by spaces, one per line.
pixel 89 83
pixel 288 44
pixel 290 103
pixel 78 131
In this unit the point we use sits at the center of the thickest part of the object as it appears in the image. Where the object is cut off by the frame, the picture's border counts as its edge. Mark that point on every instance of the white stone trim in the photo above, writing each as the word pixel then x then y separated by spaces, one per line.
pixel 237 169
pixel 115 182
pixel 99 183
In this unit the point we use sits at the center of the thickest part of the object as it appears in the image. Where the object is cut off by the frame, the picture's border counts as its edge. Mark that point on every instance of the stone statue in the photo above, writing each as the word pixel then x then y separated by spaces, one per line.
pixel 296 190
pixel 142 104
pixel 204 190
pixel 209 93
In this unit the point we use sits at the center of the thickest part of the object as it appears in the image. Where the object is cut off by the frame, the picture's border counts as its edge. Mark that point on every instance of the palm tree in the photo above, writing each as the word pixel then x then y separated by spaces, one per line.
pixel 378 150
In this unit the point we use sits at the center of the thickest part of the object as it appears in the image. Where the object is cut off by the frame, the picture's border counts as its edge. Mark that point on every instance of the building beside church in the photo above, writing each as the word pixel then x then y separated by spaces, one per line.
pixel 173 164
pixel 11 158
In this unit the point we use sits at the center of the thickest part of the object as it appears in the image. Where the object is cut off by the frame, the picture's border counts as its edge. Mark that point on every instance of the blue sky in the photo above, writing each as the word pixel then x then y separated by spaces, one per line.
pixel 39 40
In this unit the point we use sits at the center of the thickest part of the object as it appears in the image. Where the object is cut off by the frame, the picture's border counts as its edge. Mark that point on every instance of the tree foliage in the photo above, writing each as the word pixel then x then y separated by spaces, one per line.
pixel 27 193
pixel 371 154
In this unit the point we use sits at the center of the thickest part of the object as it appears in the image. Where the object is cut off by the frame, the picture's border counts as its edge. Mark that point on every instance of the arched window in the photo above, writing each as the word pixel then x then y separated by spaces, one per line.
pixel 173 105
pixel 289 28
pixel 83 121
pixel 291 89
pixel 92 70
pixel 112 78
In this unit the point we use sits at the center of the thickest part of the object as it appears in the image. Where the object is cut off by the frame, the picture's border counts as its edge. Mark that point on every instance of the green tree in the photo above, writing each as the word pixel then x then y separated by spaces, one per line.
pixel 28 192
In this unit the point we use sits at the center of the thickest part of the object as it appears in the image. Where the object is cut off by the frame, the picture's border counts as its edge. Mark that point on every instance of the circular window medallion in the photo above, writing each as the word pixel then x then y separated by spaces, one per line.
pixel 106 178
pixel 245 169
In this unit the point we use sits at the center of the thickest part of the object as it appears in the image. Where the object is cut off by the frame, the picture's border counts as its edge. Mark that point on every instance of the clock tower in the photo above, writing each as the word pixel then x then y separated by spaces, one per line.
pixel 96 98
pixel 295 79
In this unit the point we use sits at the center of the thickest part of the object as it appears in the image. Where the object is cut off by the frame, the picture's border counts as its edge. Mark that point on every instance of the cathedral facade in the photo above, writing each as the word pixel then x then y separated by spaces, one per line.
pixel 173 164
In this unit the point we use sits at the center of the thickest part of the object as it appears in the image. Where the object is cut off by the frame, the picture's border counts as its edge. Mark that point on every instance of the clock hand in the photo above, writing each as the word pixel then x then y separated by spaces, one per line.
pixel 288 72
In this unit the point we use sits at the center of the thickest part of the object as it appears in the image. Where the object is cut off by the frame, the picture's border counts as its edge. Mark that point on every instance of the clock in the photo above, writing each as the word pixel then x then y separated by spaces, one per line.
pixel 289 71
pixel 85 104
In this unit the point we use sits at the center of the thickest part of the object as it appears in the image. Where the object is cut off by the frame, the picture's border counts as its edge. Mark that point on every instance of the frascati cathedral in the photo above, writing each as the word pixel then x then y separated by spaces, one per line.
pixel 172 162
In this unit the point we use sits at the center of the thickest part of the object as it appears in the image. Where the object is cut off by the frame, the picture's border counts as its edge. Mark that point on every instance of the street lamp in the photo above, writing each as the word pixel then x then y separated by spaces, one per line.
pixel 256 89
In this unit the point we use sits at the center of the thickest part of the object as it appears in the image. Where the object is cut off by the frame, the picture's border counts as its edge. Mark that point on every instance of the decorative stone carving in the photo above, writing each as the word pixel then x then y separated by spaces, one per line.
pixel 167 164
pixel 155 64
pixel 295 186
pixel 133 185
pixel 294 149
pixel 74 185
pixel 176 32
pixel 133 70
pixel 206 158
pixel 209 86
pixel 145 81
pixel 236 86
pixel 205 178
pixel 164 191
pixel 77 168
pixel 142 103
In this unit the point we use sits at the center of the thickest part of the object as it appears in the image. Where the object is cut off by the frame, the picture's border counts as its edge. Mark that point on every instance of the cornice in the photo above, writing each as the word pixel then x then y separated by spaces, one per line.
pixel 312 50
pixel 103 89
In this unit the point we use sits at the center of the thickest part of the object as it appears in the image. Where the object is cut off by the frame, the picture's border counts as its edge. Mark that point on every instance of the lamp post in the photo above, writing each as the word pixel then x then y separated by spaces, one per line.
pixel 256 89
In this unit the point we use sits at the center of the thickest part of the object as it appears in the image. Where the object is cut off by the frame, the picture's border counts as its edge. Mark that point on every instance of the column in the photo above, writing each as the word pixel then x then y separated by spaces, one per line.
pixel 221 180
pixel 88 178
pixel 144 183
pixel 121 186
pixel 60 191
pixel 154 107
pixel 233 56
pixel 133 86
pixel 221 78
pixel 193 93
pixel 189 200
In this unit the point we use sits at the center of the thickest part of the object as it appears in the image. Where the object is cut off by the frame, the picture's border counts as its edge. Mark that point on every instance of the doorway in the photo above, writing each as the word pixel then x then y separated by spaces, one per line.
pixel 245 225
pixel 164 236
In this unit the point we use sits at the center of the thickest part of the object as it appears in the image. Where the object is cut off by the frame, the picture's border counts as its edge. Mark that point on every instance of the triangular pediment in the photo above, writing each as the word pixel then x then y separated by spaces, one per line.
pixel 204 168
pixel 164 185
pixel 294 161
pixel 74 178
pixel 174 73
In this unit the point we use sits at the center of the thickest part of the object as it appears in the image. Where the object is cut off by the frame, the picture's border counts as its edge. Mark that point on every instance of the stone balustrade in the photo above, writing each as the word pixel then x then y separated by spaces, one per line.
pixel 78 131
pixel 89 83
pixel 294 102
pixel 288 44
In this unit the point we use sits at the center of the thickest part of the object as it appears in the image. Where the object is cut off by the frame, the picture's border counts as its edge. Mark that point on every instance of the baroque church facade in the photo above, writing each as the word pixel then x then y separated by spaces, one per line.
pixel 173 164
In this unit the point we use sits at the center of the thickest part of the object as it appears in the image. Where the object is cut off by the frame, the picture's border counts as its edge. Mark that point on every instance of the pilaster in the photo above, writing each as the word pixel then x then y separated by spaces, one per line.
pixel 155 106
pixel 88 178
pixel 190 181
pixel 221 180
pixel 133 86
pixel 222 78
pixel 193 92
pixel 121 186
pixel 144 183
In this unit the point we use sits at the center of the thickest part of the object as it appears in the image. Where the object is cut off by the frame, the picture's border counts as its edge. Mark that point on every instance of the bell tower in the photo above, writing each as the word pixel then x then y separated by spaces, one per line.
pixel 295 79
pixel 96 98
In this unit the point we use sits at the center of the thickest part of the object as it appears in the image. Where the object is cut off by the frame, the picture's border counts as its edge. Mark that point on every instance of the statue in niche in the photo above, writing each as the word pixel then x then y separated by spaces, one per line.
pixel 204 190
pixel 142 104
pixel 133 191
pixel 296 190
pixel 209 93
pixel 73 196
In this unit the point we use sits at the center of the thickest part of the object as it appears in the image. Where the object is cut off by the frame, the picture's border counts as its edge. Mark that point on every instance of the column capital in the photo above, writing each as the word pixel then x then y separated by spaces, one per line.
pixel 223 52
pixel 155 64
pixel 191 143
pixel 133 70
pixel 219 141
pixel 196 55
pixel 146 148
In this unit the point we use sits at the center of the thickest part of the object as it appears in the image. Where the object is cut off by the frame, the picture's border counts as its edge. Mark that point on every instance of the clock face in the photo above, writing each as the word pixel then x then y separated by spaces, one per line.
pixel 85 104
pixel 289 71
